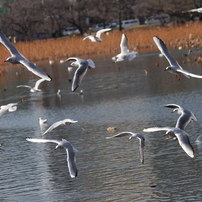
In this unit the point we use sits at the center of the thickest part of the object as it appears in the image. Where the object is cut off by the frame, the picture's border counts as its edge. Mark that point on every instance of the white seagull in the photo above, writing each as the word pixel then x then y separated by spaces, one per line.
pixel 174 67
pixel 134 135
pixel 35 88
pixel 181 136
pixel 9 107
pixel 185 116
pixel 58 123
pixel 199 10
pixel 125 54
pixel 97 38
pixel 18 58
pixel 80 72
pixel 71 159
pixel 43 124
pixel 42 121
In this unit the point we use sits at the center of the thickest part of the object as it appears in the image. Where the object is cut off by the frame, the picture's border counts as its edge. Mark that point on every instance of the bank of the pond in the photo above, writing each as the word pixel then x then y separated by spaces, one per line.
pixel 140 39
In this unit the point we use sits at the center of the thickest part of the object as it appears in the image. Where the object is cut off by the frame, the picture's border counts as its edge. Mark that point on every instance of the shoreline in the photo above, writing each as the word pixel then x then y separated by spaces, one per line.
pixel 139 39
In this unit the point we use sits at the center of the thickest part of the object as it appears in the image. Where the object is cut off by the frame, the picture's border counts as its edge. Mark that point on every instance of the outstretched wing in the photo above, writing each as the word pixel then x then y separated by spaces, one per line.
pixel 184 142
pixel 71 159
pixel 154 129
pixel 54 125
pixel 79 74
pixel 38 140
pixel 23 86
pixel 38 83
pixel 11 48
pixel 174 106
pixel 124 44
pixel 185 72
pixel 34 69
pixel 122 134
pixel 98 33
pixel 162 47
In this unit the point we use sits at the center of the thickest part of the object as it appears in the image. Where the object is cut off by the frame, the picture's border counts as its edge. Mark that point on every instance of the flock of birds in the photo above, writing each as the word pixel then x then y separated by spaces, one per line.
pixel 82 65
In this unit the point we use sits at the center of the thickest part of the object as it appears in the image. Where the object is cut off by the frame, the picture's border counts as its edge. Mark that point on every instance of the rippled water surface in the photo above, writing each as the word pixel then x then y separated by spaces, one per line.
pixel 128 96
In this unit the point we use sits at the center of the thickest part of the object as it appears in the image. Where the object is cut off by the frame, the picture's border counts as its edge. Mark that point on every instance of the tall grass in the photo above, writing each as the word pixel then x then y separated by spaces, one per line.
pixel 140 39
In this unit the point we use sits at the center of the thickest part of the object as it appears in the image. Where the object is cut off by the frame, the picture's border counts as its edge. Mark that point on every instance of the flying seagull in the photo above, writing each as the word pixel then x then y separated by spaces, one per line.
pixel 174 67
pixel 134 135
pixel 35 88
pixel 71 160
pixel 11 107
pixel 97 38
pixel 80 72
pixel 125 54
pixel 185 116
pixel 18 58
pixel 58 123
pixel 181 136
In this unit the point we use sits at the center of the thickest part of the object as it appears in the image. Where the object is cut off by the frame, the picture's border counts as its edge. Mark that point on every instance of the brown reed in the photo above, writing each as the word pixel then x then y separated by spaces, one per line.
pixel 140 39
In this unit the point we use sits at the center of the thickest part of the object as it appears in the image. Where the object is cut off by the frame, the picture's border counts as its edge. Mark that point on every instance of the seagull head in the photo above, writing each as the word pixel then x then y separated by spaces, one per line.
pixel 176 110
pixel 170 134
pixel 169 68
pixel 12 60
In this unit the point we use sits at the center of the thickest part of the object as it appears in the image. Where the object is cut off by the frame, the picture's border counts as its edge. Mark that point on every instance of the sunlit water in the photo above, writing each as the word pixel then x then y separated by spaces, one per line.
pixel 129 96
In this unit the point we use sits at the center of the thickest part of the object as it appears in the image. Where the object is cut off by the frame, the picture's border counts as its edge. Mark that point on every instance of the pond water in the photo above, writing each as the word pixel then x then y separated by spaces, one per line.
pixel 128 96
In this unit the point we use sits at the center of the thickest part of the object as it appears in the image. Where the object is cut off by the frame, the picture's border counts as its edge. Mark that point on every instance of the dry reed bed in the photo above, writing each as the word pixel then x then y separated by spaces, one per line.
pixel 140 39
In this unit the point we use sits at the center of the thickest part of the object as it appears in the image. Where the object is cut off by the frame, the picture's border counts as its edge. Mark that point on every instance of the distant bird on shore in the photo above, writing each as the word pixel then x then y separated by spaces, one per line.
pixel 9 107
pixel 18 58
pixel 71 159
pixel 83 66
pixel 51 62
pixel 35 88
pixel 97 38
pixel 181 136
pixel 185 115
pixel 133 135
pixel 199 10
pixel 125 54
pixel 174 67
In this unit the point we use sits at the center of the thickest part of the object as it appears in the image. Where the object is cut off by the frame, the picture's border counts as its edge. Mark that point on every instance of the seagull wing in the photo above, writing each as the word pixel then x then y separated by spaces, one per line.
pixel 141 146
pixel 154 129
pixel 33 68
pixel 184 142
pixel 98 33
pixel 162 47
pixel 79 74
pixel 122 134
pixel 38 140
pixel 185 72
pixel 183 120
pixel 38 83
pixel 174 106
pixel 54 125
pixel 26 86
pixel 11 48
pixel 71 159
pixel 88 37
pixel 91 63
pixel 124 44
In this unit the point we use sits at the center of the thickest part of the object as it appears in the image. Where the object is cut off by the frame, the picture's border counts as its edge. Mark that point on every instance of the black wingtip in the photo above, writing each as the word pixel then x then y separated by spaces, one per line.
pixel 50 78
